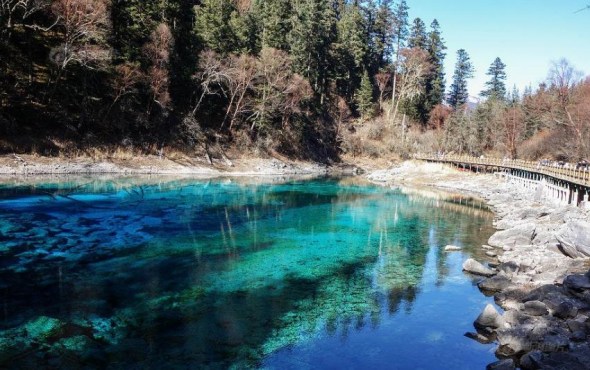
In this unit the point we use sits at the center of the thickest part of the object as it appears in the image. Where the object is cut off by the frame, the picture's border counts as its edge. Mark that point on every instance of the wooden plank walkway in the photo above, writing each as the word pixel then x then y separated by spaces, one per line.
pixel 580 177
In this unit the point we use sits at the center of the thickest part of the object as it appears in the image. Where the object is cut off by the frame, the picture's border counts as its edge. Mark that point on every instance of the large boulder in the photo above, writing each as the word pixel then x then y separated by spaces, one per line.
pixel 489 318
pixel 518 235
pixel 496 283
pixel 535 308
pixel 474 267
pixel 574 238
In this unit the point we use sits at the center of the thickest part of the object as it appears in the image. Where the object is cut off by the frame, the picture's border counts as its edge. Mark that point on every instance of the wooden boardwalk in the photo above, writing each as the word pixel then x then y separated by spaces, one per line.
pixel 571 175
pixel 565 185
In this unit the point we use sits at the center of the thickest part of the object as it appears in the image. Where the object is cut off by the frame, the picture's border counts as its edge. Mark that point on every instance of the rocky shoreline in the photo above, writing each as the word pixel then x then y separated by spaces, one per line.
pixel 538 270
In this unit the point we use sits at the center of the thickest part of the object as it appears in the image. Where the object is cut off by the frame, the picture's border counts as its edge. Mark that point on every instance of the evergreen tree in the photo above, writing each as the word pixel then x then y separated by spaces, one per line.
pixel 364 97
pixel 496 86
pixel 312 33
pixel 435 83
pixel 275 22
pixel 383 33
pixel 417 108
pixel 129 34
pixel 418 38
pixel 463 71
pixel 514 97
pixel 183 60
pixel 351 49
pixel 401 26
pixel 214 27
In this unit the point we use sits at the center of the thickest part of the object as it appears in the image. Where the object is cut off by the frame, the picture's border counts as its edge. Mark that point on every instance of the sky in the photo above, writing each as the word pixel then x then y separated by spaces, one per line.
pixel 526 34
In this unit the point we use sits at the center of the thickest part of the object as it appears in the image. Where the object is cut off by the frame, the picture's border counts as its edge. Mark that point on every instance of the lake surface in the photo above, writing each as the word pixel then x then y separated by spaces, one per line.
pixel 299 274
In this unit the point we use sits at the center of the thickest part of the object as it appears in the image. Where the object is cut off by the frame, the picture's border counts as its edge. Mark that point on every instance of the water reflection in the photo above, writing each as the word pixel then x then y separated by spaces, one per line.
pixel 219 273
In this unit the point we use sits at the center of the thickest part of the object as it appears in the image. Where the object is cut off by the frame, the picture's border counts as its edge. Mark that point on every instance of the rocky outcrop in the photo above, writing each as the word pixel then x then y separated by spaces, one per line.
pixel 518 235
pixel 474 267
pixel 574 239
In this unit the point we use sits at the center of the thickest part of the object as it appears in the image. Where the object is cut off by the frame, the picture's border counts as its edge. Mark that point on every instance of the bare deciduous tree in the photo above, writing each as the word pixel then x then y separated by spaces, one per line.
pixel 578 119
pixel 382 78
pixel 438 116
pixel 512 129
pixel 279 92
pixel 84 25
pixel 563 76
pixel 157 49
pixel 127 76
pixel 20 9
pixel 414 67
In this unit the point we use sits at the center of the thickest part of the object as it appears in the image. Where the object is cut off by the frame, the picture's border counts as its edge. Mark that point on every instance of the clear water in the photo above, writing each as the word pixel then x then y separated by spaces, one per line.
pixel 327 274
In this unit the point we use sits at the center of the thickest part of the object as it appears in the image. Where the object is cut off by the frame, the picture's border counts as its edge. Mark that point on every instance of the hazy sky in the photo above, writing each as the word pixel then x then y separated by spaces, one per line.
pixel 526 34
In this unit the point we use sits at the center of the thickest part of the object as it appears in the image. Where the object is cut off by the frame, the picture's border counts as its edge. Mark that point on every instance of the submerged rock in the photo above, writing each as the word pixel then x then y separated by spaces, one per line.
pixel 44 328
pixel 474 267
pixel 506 364
pixel 452 248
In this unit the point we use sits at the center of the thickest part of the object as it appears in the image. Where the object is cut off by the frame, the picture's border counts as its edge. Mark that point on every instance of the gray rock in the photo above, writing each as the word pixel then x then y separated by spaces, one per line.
pixel 565 310
pixel 578 336
pixel 565 361
pixel 483 339
pixel 531 360
pixel 496 283
pixel 474 267
pixel 506 364
pixel 535 308
pixel 509 268
pixel 555 343
pixel 452 248
pixel 489 318
pixel 518 235
pixel 574 238
pixel 491 254
pixel 577 282
pixel 514 317
pixel 575 325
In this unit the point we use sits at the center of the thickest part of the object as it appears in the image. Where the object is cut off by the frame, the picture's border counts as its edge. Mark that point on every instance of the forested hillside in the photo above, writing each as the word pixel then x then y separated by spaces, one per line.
pixel 309 79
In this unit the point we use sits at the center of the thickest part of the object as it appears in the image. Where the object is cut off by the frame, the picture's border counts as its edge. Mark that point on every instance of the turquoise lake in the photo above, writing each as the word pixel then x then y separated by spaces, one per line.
pixel 237 273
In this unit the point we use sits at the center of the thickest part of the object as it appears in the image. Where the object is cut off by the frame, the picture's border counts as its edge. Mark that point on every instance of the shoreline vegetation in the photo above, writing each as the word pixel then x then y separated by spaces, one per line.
pixel 306 80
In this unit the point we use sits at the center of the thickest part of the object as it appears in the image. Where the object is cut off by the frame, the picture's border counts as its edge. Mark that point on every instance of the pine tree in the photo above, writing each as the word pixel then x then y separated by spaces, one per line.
pixel 214 27
pixel 418 38
pixel 401 26
pixel 351 51
pixel 435 84
pixel 275 22
pixel 496 86
pixel 310 39
pixel 463 71
pixel 417 108
pixel 383 33
pixel 364 97
pixel 401 35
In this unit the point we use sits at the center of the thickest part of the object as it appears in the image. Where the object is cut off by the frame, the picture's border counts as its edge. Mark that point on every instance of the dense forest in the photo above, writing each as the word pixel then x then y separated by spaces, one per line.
pixel 311 79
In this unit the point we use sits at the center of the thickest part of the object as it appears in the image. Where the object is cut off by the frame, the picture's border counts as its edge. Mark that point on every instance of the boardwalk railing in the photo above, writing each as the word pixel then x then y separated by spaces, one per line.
pixel 575 176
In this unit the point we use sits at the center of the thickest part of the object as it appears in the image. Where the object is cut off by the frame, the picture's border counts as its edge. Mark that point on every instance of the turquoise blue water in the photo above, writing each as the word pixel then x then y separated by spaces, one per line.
pixel 300 274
